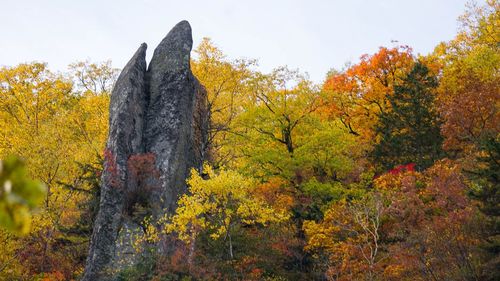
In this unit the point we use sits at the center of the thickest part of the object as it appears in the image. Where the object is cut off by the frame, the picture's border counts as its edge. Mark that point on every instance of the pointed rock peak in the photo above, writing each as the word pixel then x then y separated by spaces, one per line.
pixel 140 54
pixel 142 48
pixel 174 50
pixel 135 69
pixel 182 27
pixel 138 60
pixel 181 33
pixel 126 115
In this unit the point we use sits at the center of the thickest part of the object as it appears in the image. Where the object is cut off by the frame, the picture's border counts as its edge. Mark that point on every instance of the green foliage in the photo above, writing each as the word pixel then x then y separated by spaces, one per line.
pixel 144 270
pixel 326 192
pixel 487 180
pixel 326 151
pixel 409 132
pixel 487 176
pixel 282 103
pixel 19 195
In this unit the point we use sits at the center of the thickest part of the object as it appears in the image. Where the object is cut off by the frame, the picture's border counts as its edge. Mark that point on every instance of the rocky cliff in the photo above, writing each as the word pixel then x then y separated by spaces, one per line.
pixel 156 119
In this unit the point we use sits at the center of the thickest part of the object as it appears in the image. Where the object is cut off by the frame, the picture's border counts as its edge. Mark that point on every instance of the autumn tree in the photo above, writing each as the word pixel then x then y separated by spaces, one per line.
pixel 468 103
pixel 486 178
pixel 327 152
pixel 225 81
pixel 92 85
pixel 350 236
pixel 56 129
pixel 269 130
pixel 410 131
pixel 469 88
pixel 33 106
pixel 217 205
pixel 431 224
pixel 357 95
pixel 97 78
pixel 409 226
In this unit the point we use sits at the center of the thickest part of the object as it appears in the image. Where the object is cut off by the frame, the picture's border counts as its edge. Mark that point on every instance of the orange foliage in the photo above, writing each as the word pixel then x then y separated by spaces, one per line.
pixel 434 220
pixel 470 110
pixel 54 276
pixel 357 95
pixel 422 226
pixel 275 193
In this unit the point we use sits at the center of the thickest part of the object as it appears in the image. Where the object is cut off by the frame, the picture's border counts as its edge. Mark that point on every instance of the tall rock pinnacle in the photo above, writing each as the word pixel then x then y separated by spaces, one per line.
pixel 127 107
pixel 172 89
pixel 157 112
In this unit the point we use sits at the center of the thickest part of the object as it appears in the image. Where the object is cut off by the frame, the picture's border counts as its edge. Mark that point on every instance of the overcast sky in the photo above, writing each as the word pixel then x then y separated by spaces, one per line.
pixel 311 35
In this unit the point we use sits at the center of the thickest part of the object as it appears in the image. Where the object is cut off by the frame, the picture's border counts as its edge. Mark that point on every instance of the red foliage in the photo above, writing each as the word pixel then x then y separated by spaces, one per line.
pixel 142 166
pixel 403 168
pixel 111 168
pixel 44 254
pixel 433 221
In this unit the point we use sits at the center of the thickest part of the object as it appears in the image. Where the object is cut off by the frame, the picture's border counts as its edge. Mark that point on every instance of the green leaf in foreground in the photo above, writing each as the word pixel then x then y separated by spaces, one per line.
pixel 19 195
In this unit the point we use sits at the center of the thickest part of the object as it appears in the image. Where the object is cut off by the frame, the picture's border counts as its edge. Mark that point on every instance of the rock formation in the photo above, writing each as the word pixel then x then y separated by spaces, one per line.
pixel 159 113
pixel 170 110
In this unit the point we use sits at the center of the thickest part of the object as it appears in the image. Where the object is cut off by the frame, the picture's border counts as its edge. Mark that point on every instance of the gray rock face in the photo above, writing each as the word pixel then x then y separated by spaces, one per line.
pixel 161 112
pixel 127 107
pixel 172 89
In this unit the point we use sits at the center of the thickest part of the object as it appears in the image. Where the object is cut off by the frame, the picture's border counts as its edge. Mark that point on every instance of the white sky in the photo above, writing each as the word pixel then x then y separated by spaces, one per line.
pixel 312 35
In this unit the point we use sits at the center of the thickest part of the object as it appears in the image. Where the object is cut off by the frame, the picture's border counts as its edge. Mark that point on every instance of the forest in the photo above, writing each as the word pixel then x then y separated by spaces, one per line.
pixel 387 170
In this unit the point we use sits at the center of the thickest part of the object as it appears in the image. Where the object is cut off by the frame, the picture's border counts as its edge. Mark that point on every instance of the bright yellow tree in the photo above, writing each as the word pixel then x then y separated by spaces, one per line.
pixel 54 129
pixel 218 204
pixel 225 81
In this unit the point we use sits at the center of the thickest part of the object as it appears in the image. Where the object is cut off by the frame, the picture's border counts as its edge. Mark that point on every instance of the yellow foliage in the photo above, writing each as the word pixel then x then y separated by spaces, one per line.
pixel 53 129
pixel 226 84
pixel 218 203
